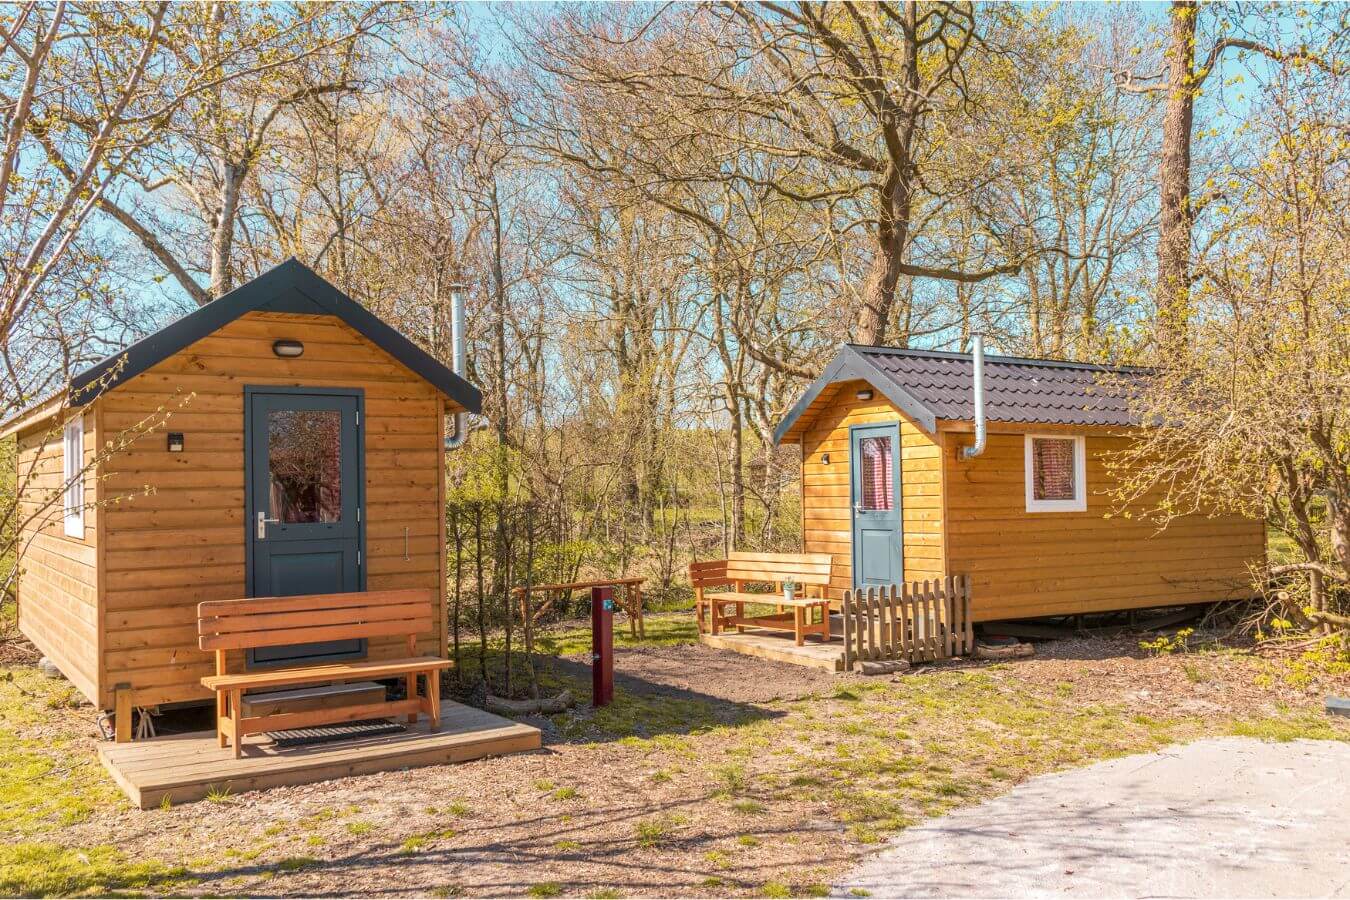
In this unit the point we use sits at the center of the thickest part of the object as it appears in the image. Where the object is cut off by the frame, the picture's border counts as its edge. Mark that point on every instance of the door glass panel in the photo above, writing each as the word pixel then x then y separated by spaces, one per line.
pixel 878 489
pixel 304 462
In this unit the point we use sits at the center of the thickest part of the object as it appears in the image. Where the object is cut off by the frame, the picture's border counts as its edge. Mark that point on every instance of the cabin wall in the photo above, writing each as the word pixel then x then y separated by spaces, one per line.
pixel 1026 564
pixel 826 511
pixel 183 543
pixel 58 575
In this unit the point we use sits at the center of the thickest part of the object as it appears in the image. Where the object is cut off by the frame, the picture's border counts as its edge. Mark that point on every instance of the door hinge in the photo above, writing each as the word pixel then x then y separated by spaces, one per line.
pixel 358 514
pixel 358 557
pixel 358 417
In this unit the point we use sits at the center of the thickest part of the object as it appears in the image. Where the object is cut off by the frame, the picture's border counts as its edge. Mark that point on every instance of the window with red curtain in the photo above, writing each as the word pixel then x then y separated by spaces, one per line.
pixel 878 488
pixel 1052 468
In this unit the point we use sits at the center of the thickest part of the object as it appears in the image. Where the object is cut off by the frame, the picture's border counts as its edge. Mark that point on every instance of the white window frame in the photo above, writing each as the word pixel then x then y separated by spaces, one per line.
pixel 1079 501
pixel 72 466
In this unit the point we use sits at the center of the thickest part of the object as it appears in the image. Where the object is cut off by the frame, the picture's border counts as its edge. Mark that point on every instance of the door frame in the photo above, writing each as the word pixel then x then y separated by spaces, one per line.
pixel 854 496
pixel 359 394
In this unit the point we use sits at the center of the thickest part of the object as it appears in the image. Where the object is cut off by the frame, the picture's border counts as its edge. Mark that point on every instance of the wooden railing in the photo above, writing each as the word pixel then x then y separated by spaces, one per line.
pixel 916 622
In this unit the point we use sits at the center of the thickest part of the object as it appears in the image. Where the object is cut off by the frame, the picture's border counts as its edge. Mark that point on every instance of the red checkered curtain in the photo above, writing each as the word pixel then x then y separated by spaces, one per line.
pixel 878 488
pixel 1052 468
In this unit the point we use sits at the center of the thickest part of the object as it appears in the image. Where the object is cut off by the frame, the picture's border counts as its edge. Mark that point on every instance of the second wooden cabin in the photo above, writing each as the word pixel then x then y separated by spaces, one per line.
pixel 887 491
pixel 280 440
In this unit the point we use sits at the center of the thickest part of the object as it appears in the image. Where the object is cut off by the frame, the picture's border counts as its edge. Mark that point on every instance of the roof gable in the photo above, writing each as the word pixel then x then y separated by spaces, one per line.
pixel 929 385
pixel 291 287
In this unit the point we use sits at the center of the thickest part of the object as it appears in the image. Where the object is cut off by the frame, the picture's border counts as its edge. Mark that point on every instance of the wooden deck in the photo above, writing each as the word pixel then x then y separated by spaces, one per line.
pixel 781 646
pixel 187 767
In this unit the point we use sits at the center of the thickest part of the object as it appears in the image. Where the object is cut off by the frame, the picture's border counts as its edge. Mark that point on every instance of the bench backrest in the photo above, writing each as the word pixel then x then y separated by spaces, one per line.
pixel 802 568
pixel 277 621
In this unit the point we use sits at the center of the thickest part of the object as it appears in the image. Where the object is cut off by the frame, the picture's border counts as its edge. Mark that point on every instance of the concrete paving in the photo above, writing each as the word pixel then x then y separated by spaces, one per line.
pixel 1226 817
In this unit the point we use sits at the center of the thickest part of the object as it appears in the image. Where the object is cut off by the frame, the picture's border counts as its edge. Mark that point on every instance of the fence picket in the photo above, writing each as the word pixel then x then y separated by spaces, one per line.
pixel 847 620
pixel 919 621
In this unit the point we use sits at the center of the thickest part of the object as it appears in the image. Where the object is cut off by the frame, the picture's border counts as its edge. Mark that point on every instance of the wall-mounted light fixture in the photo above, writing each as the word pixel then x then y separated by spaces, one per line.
pixel 175 442
pixel 824 459
pixel 288 349
pixel 864 394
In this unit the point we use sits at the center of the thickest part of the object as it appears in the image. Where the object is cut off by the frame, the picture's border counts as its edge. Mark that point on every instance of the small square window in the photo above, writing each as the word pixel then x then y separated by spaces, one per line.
pixel 72 468
pixel 1056 472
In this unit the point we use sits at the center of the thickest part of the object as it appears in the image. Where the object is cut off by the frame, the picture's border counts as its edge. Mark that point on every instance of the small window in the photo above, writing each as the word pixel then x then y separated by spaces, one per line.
pixel 73 475
pixel 1056 473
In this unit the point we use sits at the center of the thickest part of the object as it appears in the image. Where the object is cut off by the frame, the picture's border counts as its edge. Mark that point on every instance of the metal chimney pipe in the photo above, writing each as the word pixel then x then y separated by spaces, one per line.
pixel 977 357
pixel 458 356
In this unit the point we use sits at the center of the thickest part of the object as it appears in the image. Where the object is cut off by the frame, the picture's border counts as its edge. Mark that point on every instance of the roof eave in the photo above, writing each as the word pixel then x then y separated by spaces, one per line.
pixel 850 365
pixel 270 287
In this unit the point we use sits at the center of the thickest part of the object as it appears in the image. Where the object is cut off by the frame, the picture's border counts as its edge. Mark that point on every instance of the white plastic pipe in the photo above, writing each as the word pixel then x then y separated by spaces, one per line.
pixel 977 448
pixel 458 364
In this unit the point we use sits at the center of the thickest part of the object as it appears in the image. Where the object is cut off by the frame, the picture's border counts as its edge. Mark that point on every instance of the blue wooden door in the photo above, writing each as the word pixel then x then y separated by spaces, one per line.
pixel 305 480
pixel 874 475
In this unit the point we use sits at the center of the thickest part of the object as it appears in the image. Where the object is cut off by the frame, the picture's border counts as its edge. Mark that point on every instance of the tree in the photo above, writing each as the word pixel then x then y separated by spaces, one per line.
pixel 856 101
pixel 1256 417
pixel 1182 81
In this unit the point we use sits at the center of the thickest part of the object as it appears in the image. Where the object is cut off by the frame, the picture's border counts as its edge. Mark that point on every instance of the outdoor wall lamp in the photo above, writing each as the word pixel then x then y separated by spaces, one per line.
pixel 864 394
pixel 824 459
pixel 288 349
pixel 175 442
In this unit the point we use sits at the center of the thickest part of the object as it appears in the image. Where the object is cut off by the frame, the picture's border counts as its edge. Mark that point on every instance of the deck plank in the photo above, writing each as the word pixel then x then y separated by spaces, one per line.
pixel 780 646
pixel 186 767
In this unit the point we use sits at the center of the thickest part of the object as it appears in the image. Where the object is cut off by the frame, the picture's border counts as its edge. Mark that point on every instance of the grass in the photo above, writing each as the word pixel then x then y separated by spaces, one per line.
pixel 545 889
pixel 662 631
pixel 49 781
pixel 48 870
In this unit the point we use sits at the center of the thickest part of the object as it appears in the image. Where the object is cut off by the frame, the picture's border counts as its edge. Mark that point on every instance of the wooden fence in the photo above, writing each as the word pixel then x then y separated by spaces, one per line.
pixel 917 622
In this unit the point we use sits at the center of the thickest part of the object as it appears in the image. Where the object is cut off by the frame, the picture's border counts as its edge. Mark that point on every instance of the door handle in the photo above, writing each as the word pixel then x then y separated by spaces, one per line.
pixel 263 522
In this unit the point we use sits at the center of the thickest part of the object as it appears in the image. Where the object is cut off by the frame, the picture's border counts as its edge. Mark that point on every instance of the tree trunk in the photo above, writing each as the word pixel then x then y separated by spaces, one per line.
pixel 222 234
pixel 1172 290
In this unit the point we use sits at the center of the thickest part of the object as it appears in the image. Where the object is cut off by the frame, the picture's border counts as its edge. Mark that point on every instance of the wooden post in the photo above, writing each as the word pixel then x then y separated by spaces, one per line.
pixel 122 712
pixel 602 646
pixel 845 610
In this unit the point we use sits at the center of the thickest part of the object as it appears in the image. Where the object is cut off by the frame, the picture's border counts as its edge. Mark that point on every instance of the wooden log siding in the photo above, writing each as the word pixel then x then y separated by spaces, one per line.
pixel 58 588
pixel 918 622
pixel 195 517
pixel 826 508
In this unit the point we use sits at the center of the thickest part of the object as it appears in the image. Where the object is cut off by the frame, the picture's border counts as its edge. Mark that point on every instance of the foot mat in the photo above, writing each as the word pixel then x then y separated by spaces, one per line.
pixel 328 733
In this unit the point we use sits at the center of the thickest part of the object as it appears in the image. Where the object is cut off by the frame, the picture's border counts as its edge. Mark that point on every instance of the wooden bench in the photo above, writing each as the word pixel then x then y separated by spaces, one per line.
pixel 810 572
pixel 224 625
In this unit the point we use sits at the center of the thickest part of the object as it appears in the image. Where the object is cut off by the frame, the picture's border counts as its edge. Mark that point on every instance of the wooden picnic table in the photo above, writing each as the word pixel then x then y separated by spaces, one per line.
pixel 631 600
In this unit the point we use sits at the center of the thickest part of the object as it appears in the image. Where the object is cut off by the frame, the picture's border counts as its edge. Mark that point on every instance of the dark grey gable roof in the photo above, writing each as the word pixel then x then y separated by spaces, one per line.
pixel 291 287
pixel 931 384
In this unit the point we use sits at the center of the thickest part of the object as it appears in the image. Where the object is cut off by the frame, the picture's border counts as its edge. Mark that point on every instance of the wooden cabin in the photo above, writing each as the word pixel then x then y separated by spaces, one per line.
pixel 280 440
pixel 886 491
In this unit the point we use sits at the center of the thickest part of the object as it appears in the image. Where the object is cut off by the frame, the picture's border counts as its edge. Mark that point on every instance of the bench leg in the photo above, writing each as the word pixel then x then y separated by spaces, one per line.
pixel 411 682
pixel 236 723
pixel 434 699
pixel 220 719
pixel 740 614
pixel 825 623
pixel 798 625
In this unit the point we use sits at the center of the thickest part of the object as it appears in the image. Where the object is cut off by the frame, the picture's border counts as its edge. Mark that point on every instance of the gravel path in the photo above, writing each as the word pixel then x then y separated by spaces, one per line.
pixel 1225 817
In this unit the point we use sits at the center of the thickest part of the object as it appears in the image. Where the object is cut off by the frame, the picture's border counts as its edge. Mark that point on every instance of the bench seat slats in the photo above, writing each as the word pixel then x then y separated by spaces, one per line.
pixel 224 625
pixel 765 599
pixel 316 674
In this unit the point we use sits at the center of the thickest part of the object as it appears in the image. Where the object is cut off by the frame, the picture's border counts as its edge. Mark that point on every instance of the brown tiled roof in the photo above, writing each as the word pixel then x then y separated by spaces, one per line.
pixel 929 385
pixel 1015 390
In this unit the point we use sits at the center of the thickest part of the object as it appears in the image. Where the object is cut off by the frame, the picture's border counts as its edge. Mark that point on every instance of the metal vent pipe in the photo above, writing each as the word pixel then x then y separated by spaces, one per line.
pixel 977 357
pixel 459 363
